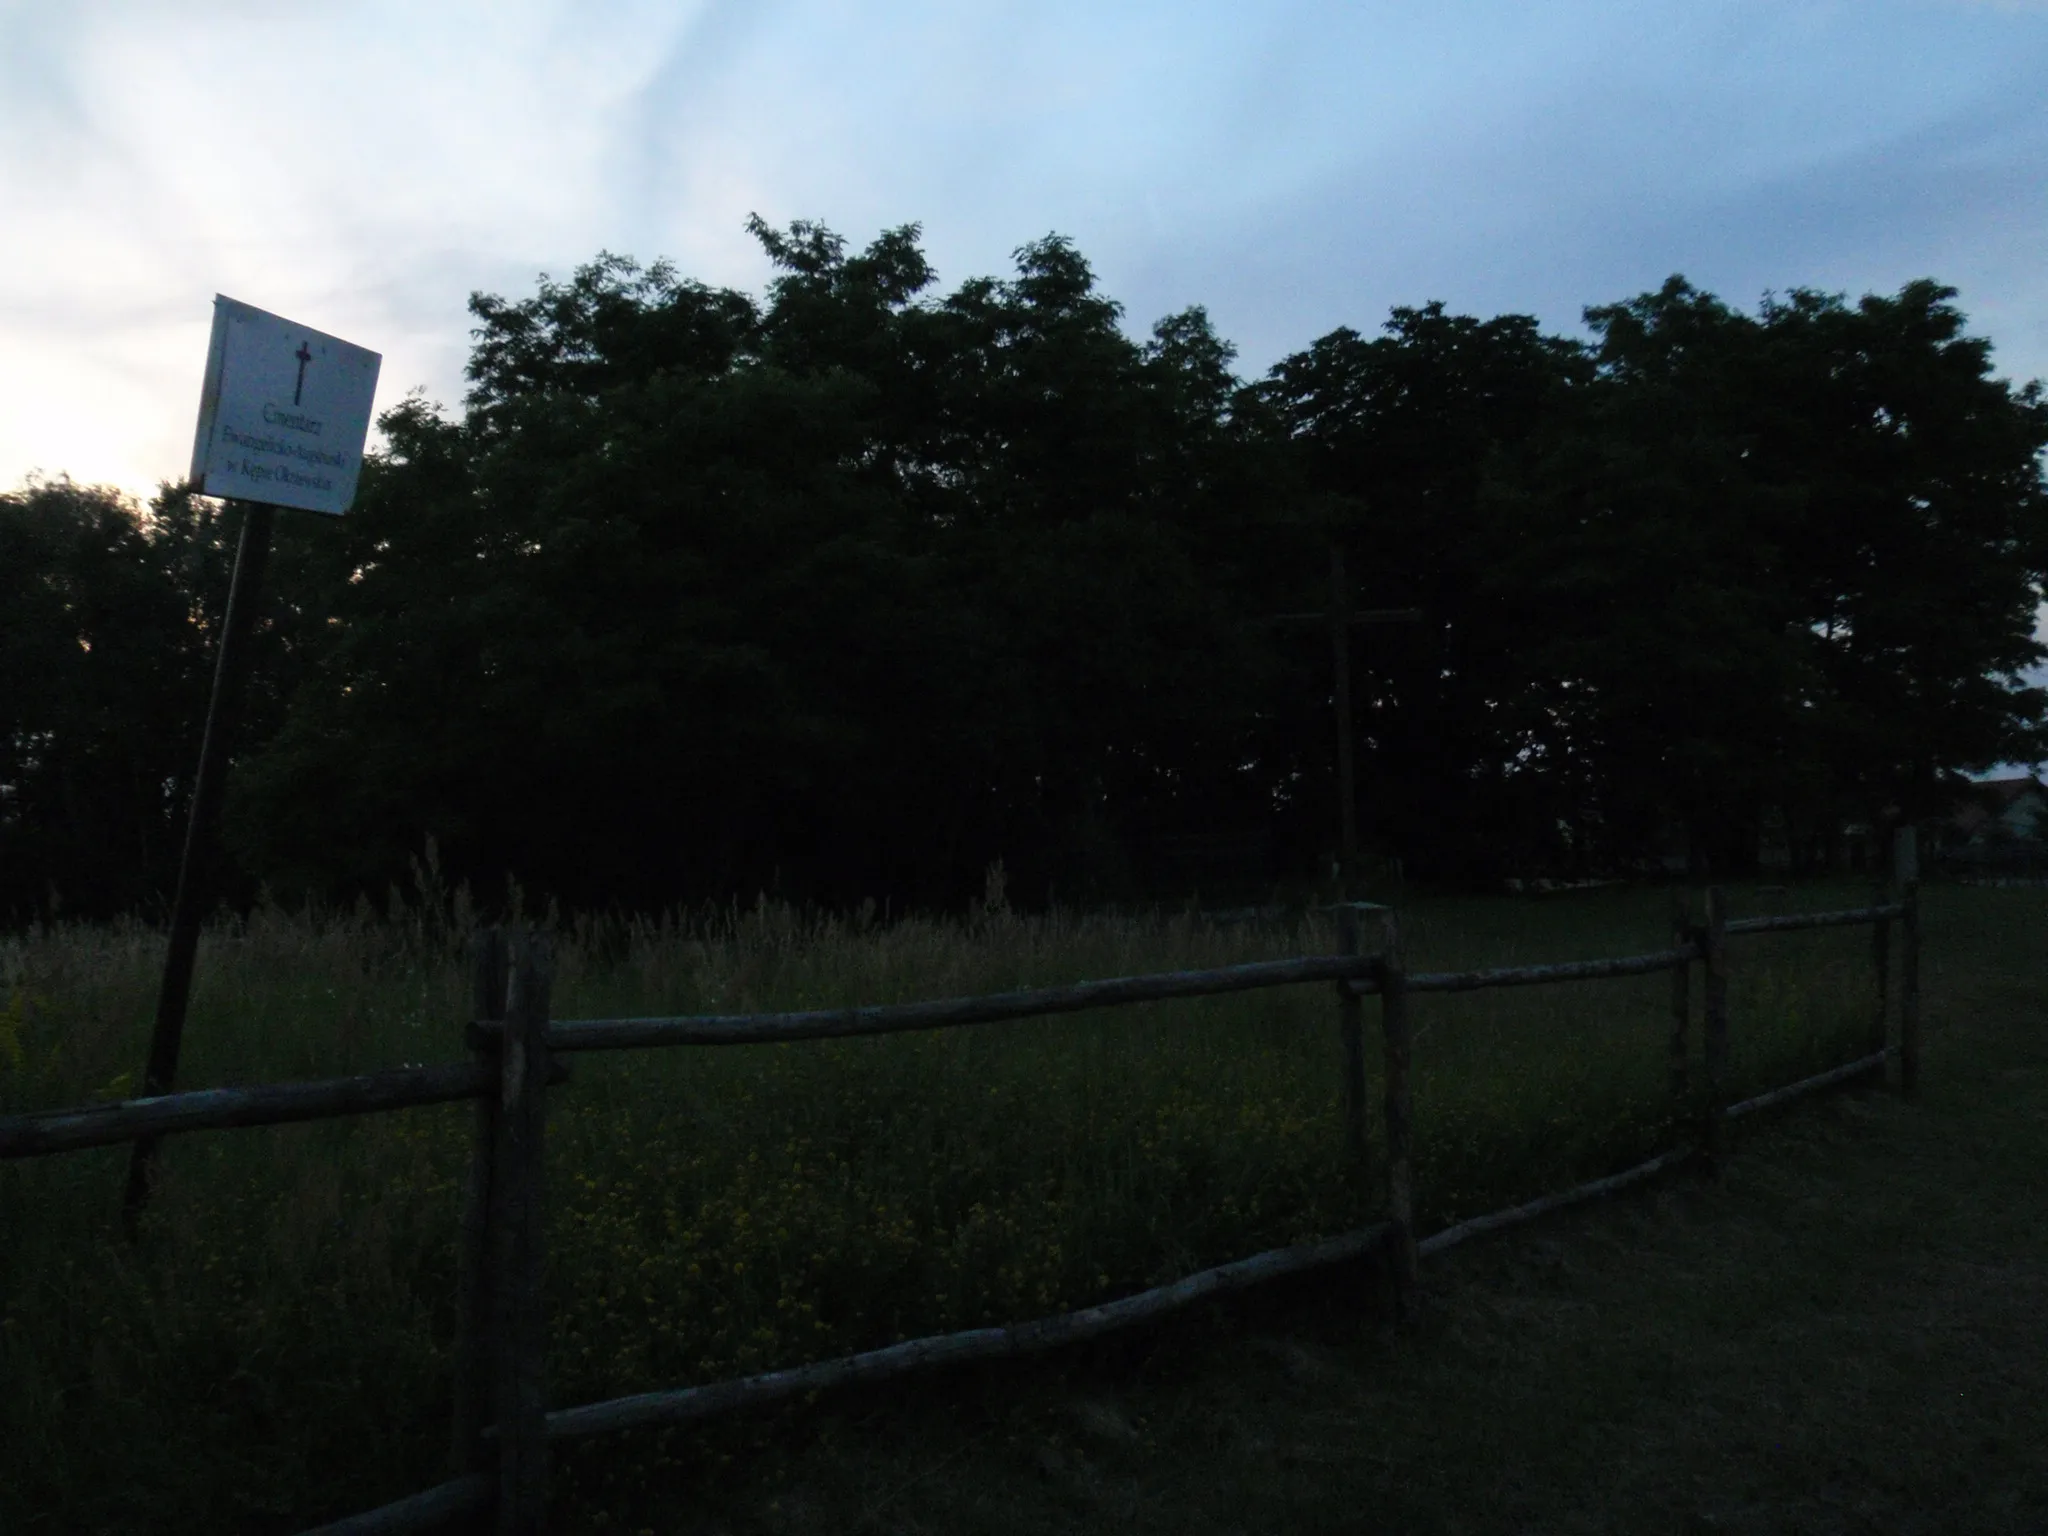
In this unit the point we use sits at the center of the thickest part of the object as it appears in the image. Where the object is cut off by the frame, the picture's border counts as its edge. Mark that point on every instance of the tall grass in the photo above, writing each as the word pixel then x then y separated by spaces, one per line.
pixel 276 1344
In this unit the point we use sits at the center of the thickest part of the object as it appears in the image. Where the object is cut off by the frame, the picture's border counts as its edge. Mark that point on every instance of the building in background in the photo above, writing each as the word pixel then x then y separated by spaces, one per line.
pixel 1998 825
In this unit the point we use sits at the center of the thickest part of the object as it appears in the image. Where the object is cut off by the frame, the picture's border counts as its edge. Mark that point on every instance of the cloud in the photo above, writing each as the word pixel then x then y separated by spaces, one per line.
pixel 1294 165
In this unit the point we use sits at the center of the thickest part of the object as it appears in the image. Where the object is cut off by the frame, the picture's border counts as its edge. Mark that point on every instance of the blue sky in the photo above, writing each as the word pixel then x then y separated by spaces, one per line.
pixel 1293 166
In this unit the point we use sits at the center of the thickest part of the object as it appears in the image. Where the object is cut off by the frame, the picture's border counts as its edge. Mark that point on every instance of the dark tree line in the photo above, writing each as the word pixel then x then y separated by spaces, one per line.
pixel 850 589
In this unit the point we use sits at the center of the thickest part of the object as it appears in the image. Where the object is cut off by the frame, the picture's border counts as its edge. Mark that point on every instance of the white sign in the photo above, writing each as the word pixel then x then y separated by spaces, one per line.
pixel 284 412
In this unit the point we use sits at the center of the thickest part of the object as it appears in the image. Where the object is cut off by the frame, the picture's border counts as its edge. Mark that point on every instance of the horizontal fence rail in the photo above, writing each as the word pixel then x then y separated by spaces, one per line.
pixel 431 1510
pixel 893 1018
pixel 70 1130
pixel 1358 972
pixel 213 1109
pixel 1861 1067
pixel 1625 965
pixel 686 1403
pixel 1545 975
pixel 1529 1210
pixel 1791 921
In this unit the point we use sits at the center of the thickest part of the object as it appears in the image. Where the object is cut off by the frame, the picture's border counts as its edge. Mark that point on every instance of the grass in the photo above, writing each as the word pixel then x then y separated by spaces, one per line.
pixel 275 1349
pixel 1841 1334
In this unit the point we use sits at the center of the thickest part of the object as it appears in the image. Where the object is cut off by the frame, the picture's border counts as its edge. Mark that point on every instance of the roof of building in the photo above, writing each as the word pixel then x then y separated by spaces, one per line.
pixel 2001 793
pixel 1988 799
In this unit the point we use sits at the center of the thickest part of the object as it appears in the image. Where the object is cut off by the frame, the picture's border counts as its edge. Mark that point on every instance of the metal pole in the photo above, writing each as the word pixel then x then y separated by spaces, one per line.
pixel 231 670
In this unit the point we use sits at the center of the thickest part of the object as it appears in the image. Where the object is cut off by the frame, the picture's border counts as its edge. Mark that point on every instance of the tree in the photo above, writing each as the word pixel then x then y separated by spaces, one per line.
pixel 1804 558
pixel 1715 566
pixel 845 593
pixel 106 617
pixel 1416 442
pixel 849 589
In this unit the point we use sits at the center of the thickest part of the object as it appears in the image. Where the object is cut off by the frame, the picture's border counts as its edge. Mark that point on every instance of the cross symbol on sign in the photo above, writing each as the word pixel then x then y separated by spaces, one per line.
pixel 305 356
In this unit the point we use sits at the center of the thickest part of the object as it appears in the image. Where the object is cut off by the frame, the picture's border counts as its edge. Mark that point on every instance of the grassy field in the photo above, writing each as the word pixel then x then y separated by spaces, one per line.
pixel 275 1349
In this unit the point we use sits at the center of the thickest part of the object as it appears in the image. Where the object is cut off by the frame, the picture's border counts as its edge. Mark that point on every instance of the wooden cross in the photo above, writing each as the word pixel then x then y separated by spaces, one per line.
pixel 1341 618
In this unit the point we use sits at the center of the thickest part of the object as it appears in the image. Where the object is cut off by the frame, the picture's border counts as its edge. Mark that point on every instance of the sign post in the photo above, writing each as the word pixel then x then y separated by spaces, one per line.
pixel 283 415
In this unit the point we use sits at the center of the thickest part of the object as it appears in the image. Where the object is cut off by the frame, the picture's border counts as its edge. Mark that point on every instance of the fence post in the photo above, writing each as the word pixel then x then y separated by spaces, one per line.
pixel 517 1220
pixel 1351 1031
pixel 475 1307
pixel 1881 966
pixel 1906 875
pixel 1714 950
pixel 1400 1113
pixel 1681 1001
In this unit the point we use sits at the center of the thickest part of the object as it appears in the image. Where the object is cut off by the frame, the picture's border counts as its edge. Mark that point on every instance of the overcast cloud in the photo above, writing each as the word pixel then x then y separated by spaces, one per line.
pixel 1294 166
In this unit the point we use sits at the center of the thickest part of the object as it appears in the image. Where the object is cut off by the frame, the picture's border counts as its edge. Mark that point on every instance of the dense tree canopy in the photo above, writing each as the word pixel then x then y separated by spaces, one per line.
pixel 851 588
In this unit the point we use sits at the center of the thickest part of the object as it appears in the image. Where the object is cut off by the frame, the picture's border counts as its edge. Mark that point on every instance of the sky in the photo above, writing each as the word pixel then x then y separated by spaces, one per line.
pixel 363 168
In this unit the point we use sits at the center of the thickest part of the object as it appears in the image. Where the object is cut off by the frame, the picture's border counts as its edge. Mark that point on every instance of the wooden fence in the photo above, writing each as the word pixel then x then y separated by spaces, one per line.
pixel 501 1422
